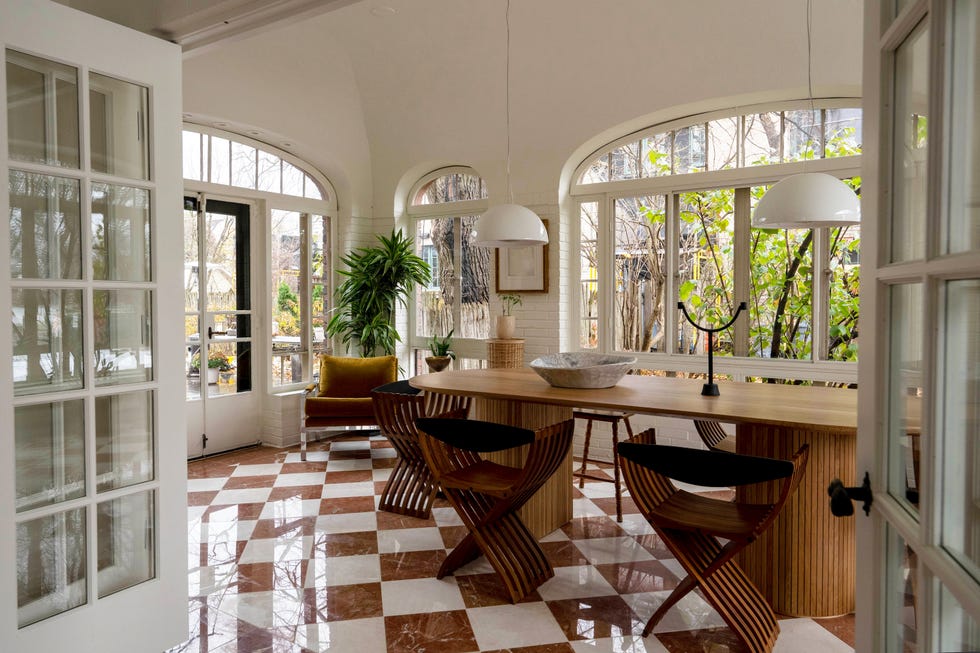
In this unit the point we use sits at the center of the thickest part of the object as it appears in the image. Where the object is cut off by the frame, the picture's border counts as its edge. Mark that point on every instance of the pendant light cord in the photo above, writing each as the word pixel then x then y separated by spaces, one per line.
pixel 510 191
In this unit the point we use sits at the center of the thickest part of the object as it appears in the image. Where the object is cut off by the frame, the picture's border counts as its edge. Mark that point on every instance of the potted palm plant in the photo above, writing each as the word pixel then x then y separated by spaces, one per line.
pixel 505 322
pixel 442 355
pixel 377 279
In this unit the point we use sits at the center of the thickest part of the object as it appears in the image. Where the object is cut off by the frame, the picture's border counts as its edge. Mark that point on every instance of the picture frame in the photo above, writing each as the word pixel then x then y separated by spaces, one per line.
pixel 522 269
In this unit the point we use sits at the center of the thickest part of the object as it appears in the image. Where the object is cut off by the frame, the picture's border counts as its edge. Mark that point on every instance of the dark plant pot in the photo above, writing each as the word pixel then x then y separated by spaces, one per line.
pixel 438 363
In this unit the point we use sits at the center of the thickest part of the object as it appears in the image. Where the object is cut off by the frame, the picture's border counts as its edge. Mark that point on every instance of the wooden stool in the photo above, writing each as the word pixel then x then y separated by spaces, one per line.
pixel 609 417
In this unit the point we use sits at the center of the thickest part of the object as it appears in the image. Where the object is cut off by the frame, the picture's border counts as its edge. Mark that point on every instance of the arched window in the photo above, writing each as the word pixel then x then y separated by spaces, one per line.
pixel 299 207
pixel 664 216
pixel 443 208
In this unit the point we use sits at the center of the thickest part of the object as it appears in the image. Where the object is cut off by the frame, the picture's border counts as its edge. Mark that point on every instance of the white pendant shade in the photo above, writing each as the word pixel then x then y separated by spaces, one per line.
pixel 807 201
pixel 510 225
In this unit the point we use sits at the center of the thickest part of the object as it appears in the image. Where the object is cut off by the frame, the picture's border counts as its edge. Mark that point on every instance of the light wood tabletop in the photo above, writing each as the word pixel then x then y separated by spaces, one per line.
pixel 795 406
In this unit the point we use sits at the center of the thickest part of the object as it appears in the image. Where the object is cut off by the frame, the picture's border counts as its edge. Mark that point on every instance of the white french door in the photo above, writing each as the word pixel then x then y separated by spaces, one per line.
pixel 919 423
pixel 222 412
pixel 93 507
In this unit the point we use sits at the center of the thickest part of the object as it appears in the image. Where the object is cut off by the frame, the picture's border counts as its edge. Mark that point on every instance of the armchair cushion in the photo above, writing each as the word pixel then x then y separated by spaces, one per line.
pixel 342 376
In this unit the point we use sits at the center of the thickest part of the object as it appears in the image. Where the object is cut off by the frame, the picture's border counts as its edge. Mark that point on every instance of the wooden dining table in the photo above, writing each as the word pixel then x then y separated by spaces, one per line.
pixel 805 564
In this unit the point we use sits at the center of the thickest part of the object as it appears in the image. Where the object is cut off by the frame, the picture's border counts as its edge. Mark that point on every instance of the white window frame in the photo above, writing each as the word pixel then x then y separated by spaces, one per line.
pixel 669 186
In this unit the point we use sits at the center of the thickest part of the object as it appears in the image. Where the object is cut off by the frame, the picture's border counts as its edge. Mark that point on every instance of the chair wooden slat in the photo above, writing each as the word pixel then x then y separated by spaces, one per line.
pixel 694 528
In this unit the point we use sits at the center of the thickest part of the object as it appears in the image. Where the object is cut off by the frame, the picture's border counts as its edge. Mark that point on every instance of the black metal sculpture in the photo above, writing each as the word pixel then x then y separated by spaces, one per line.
pixel 710 389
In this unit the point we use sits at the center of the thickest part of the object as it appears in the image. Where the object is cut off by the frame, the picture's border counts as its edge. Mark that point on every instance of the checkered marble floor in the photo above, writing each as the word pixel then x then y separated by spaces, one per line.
pixel 288 556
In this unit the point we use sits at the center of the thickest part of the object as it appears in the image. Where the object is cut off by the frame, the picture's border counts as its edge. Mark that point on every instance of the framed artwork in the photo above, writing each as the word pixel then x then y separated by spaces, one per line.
pixel 522 269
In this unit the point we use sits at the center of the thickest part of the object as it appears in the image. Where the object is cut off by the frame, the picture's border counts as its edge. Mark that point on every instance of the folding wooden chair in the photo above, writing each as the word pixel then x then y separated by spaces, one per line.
pixel 714 436
pixel 410 489
pixel 705 534
pixel 487 495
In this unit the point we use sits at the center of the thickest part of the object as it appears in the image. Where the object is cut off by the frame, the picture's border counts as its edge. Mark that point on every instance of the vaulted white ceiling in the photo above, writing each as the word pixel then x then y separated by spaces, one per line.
pixel 375 92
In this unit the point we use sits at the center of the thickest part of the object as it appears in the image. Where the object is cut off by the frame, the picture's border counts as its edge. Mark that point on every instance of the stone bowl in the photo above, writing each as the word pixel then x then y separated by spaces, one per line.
pixel 581 369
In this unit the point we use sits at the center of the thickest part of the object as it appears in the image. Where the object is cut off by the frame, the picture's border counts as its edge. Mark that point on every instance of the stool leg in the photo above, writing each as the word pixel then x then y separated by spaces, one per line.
pixel 585 453
pixel 619 492
pixel 302 443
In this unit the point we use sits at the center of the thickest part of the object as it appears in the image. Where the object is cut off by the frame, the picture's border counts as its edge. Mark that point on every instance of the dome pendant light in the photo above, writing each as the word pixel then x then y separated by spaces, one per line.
pixel 811 199
pixel 509 225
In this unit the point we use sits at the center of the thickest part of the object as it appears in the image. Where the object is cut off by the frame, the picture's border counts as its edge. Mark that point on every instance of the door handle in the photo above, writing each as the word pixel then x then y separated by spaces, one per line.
pixel 212 333
pixel 841 497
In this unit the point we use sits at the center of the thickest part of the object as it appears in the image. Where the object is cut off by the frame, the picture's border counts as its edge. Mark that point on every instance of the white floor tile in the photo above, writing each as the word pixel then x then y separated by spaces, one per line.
pixel 446 517
pixel 805 635
pixel 343 570
pixel 397 540
pixel 352 522
pixel 361 635
pixel 311 457
pixel 297 480
pixel 290 508
pixel 691 612
pixel 420 595
pixel 512 626
pixel 633 644
pixel 277 550
pixel 205 484
pixel 257 470
pixel 585 508
pixel 247 495
pixel 575 583
pixel 340 490
pixel 605 550
pixel 636 524
pixel 351 445
pixel 349 465
pixel 380 474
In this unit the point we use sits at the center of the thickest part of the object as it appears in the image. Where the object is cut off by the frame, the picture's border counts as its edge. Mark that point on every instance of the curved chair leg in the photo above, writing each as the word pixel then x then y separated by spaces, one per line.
pixel 410 489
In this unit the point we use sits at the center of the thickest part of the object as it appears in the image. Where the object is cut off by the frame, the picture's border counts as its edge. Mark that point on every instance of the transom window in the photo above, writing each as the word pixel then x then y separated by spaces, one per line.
pixel 664 216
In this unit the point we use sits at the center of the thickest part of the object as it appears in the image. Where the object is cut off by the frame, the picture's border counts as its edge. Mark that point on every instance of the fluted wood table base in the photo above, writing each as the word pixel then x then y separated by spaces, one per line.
pixel 805 563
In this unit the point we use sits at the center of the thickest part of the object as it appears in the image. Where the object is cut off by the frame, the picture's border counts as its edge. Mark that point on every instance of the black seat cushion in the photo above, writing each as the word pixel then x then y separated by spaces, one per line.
pixel 475 435
pixel 707 468
pixel 397 387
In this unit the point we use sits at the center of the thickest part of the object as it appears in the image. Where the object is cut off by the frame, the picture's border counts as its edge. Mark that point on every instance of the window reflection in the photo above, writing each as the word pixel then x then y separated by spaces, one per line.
pixel 45 227
pixel 47 328
pixel 50 453
pixel 42 111
pixel 51 563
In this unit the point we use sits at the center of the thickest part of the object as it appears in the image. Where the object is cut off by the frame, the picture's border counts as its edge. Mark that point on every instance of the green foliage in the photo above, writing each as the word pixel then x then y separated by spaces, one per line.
pixel 216 361
pixel 510 300
pixel 376 279
pixel 441 346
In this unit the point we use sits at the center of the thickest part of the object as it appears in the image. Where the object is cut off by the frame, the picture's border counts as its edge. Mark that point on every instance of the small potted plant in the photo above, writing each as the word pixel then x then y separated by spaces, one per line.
pixel 442 354
pixel 217 363
pixel 505 322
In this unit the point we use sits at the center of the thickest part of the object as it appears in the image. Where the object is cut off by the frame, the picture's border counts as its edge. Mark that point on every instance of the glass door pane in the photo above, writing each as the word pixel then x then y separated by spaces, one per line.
pixel 906 386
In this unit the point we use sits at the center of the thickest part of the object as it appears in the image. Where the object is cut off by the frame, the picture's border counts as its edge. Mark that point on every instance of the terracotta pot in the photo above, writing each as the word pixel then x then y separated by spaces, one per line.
pixel 438 363
pixel 505 327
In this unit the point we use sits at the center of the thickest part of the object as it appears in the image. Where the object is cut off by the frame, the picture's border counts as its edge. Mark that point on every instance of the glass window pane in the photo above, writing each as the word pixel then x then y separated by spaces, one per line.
pixel 191 276
pixel 706 265
pixel 47 327
pixel 781 300
pixel 45 227
pixel 123 440
pixel 191 154
pixel 221 254
pixel 270 172
pixel 287 314
pixel 656 155
pixel 626 162
pixel 589 264
pixel 909 141
pixel 320 234
pixel 311 189
pixel 906 386
pixel 192 344
pixel 761 143
pixel 242 165
pixel 434 304
pixel 220 161
pixel 125 539
pixel 962 229
pixel 960 411
pixel 902 596
pixel 845 276
pixel 475 288
pixel 801 135
pixel 640 275
pixel 50 453
pixel 689 152
pixel 123 332
pixel 228 370
pixel 120 233
pixel 958 631
pixel 292 179
pixel 119 138
pixel 842 129
pixel 51 561
pixel 42 111
pixel 598 171
pixel 722 144
pixel 455 187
